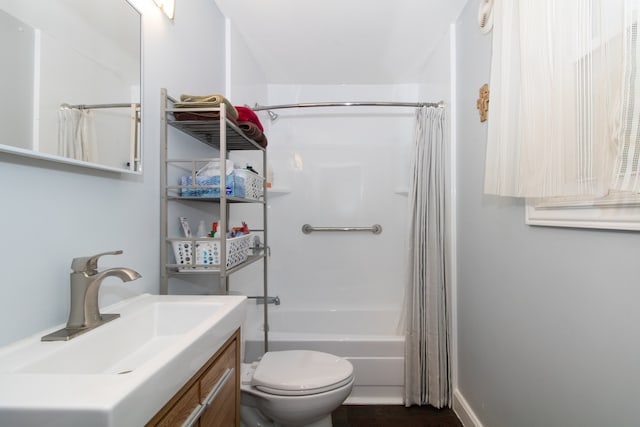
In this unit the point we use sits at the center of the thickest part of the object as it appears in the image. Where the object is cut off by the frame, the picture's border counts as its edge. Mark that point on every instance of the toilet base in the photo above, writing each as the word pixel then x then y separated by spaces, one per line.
pixel 252 417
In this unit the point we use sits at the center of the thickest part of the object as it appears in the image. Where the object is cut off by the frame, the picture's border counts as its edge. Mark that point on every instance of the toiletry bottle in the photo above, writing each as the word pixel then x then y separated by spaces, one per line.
pixel 269 176
pixel 202 232
pixel 184 223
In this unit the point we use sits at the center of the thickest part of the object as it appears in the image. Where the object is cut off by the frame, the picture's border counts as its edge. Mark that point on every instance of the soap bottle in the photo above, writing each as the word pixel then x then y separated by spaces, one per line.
pixel 269 176
pixel 202 232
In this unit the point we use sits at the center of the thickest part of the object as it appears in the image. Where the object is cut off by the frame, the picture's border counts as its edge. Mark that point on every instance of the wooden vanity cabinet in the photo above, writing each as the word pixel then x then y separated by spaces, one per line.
pixel 212 397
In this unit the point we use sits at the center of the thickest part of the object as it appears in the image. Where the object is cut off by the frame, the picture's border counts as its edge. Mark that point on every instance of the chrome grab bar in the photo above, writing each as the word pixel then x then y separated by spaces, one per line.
pixel 270 300
pixel 375 229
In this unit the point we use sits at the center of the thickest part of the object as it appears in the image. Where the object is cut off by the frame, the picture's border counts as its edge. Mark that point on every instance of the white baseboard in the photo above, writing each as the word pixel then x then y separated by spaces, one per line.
pixel 464 411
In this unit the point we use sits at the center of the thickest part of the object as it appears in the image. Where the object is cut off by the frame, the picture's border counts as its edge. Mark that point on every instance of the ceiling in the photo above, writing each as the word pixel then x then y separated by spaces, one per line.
pixel 342 41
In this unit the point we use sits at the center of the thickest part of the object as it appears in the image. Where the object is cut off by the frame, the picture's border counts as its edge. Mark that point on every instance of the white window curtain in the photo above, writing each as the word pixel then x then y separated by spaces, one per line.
pixel 555 118
pixel 626 174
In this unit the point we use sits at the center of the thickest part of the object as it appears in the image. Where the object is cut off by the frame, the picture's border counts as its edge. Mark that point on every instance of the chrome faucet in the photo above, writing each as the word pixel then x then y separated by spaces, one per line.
pixel 84 313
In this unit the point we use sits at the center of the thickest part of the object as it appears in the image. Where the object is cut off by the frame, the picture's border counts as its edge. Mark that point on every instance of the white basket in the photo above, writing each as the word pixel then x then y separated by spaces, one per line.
pixel 208 253
pixel 253 183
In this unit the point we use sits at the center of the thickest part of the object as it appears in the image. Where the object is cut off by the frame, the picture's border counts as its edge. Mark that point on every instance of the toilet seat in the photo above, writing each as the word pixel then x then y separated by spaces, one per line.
pixel 304 392
pixel 300 372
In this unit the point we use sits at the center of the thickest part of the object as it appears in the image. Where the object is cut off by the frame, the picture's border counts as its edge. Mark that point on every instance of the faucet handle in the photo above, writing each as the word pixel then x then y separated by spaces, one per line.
pixel 89 264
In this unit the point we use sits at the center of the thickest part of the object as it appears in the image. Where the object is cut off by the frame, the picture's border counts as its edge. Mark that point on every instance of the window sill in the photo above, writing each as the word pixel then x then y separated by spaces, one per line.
pixel 617 211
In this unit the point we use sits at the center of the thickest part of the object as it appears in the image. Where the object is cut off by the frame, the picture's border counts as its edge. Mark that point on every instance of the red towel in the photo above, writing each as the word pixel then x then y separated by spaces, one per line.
pixel 246 114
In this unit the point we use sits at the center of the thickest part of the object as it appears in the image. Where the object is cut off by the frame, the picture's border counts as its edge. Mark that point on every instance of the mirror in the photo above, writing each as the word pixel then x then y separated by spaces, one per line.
pixel 71 86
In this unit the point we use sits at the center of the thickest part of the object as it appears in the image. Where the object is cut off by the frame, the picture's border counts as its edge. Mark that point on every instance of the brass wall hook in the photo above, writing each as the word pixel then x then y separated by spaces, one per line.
pixel 483 102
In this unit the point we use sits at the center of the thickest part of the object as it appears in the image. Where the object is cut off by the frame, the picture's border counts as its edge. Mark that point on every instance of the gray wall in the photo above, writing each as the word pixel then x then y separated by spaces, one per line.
pixel 548 318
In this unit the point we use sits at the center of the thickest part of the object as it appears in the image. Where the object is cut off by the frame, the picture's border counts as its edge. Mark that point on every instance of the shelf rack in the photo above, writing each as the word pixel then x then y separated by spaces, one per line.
pixel 223 135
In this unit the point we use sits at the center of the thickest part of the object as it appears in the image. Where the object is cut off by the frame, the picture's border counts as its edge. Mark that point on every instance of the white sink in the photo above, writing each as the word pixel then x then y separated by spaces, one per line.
pixel 126 343
pixel 121 373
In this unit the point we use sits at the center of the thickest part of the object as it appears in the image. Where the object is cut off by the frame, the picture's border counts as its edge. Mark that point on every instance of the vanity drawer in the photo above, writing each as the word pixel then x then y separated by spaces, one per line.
pixel 224 374
pixel 212 397
pixel 181 409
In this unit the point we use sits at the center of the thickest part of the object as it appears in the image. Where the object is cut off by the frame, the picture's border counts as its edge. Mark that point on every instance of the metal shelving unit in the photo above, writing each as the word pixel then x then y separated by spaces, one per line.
pixel 224 136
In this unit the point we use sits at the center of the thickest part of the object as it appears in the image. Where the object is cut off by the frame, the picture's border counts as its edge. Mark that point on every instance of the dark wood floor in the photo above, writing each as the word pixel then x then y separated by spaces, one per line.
pixel 393 416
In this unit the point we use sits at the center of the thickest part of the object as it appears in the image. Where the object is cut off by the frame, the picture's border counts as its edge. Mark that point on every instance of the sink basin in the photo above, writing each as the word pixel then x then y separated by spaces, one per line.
pixel 122 346
pixel 121 373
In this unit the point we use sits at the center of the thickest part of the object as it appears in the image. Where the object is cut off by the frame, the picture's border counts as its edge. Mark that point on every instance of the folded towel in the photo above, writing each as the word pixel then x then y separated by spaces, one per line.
pixel 204 115
pixel 246 114
pixel 217 98
pixel 253 132
pixel 206 101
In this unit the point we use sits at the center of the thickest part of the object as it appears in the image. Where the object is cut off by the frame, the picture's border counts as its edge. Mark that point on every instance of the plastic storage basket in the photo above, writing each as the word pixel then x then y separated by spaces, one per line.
pixel 253 183
pixel 208 252
pixel 235 186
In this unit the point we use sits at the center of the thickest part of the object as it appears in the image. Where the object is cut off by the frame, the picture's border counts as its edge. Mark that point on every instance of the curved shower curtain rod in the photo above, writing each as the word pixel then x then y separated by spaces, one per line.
pixel 273 116
pixel 259 107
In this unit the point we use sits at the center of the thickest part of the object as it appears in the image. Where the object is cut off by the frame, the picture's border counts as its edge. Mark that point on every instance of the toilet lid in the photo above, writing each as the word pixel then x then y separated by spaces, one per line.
pixel 301 372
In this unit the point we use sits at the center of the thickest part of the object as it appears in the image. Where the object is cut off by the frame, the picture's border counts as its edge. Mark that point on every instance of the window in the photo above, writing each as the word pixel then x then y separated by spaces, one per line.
pixel 564 127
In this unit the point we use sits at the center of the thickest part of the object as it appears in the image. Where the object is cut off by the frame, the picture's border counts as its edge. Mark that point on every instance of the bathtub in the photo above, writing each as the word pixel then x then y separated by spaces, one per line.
pixel 367 338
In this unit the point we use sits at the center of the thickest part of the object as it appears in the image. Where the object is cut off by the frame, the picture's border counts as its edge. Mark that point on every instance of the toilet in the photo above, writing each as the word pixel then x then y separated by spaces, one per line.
pixel 294 388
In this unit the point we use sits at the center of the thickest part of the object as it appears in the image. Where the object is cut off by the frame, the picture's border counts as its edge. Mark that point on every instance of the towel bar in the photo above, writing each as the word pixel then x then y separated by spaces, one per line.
pixel 375 229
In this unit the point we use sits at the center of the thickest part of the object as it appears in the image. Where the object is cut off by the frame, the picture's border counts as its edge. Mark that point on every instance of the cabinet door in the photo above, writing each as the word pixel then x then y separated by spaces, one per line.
pixel 223 410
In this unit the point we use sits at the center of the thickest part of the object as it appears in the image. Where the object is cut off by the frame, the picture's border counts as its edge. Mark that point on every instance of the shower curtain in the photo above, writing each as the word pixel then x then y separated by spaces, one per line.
pixel 76 134
pixel 427 371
